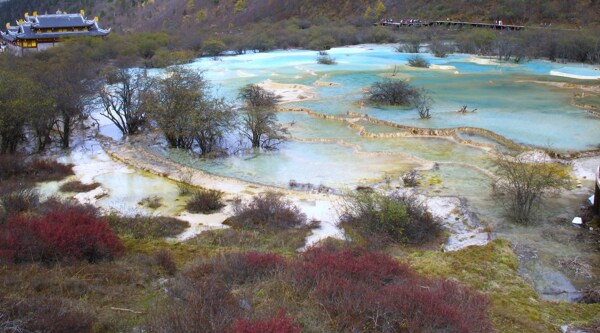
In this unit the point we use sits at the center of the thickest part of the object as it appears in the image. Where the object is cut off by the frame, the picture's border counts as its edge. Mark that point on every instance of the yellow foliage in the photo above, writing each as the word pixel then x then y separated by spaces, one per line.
pixel 368 13
pixel 191 5
pixel 379 9
pixel 201 15
pixel 239 7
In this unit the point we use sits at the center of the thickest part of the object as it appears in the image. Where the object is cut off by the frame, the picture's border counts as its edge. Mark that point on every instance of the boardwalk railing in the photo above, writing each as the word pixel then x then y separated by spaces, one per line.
pixel 597 193
pixel 449 24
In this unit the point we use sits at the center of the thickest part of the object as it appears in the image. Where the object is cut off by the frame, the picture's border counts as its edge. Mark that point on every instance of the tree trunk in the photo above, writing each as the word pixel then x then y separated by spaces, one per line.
pixel 255 140
pixel 66 131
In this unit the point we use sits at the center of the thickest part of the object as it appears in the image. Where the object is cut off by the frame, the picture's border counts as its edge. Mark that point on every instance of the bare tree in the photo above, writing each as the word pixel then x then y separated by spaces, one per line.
pixel 523 184
pixel 123 99
pixel 259 121
pixel 411 45
pixel 440 49
pixel 213 119
pixel 187 114
pixel 173 103
pixel 422 102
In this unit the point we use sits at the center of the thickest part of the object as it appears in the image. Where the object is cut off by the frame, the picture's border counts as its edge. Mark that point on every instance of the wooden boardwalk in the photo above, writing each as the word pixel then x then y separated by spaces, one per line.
pixel 449 24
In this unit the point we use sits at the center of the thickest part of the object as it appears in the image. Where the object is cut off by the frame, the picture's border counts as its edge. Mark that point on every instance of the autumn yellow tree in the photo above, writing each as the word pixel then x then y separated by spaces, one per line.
pixel 368 12
pixel 379 9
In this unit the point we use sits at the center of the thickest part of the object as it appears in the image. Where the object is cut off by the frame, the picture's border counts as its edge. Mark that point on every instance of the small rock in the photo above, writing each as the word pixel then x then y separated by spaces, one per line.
pixel 577 220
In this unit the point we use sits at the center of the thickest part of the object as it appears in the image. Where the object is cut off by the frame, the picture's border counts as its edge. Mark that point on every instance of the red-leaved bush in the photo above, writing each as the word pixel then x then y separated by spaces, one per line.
pixel 262 263
pixel 370 292
pixel 360 291
pixel 236 268
pixel 278 324
pixel 351 264
pixel 59 234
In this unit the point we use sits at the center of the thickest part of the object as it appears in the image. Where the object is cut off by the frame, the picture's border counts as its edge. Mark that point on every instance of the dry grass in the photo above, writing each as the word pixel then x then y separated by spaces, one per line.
pixel 140 227
pixel 152 202
pixel 128 283
pixel 32 170
pixel 78 187
pixel 288 240
pixel 269 210
pixel 205 201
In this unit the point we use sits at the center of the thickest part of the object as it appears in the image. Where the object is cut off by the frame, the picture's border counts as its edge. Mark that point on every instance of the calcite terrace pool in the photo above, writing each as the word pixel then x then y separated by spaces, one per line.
pixel 522 103
pixel 339 142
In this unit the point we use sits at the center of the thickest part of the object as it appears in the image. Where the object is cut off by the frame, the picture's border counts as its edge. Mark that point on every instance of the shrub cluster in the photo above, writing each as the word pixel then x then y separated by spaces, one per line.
pixel 418 61
pixel 205 201
pixel 392 92
pixel 366 291
pixel 360 291
pixel 140 227
pixel 33 170
pixel 268 210
pixel 11 165
pixel 325 59
pixel 440 49
pixel 590 296
pixel 255 239
pixel 58 235
pixel 386 219
pixel 164 259
pixel 152 202
pixel 17 198
pixel 42 170
pixel 278 324
pixel 53 315
pixel 78 187
pixel 203 297
pixel 236 268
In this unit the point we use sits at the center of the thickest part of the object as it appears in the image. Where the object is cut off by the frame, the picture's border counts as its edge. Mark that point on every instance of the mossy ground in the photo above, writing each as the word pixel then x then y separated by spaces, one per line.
pixel 515 306
pixel 133 281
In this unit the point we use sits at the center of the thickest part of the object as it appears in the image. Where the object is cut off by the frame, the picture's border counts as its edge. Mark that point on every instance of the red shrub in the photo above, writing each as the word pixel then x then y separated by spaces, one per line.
pixel 264 262
pixel 367 291
pixel 236 268
pixel 351 264
pixel 60 234
pixel 430 306
pixel 164 259
pixel 278 324
pixel 207 307
pixel 47 170
pixel 11 165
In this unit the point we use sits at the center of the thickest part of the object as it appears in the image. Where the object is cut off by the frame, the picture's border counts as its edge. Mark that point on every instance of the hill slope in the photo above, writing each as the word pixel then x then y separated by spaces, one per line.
pixel 170 15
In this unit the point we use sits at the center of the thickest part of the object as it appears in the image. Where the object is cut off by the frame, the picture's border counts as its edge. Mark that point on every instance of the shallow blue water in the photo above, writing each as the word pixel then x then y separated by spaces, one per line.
pixel 508 97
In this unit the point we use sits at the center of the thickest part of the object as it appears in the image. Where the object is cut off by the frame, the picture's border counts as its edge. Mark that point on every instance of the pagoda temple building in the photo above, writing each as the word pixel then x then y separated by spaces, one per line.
pixel 40 32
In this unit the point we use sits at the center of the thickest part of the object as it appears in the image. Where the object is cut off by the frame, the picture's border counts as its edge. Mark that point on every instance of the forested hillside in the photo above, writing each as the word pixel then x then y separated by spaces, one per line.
pixel 154 15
